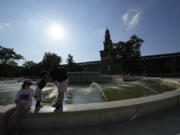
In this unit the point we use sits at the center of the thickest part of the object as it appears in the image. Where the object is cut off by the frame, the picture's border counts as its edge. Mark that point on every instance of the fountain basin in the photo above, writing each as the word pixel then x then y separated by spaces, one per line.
pixel 98 113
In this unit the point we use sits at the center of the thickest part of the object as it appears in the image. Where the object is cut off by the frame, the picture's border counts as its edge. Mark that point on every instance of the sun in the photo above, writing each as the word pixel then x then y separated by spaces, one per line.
pixel 56 32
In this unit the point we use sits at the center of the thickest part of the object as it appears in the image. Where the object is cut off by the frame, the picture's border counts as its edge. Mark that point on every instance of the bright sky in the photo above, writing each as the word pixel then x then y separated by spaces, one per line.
pixel 33 27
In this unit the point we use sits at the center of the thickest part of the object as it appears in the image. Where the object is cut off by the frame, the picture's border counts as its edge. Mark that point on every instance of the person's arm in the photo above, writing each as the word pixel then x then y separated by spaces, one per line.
pixel 17 101
pixel 42 84
pixel 33 93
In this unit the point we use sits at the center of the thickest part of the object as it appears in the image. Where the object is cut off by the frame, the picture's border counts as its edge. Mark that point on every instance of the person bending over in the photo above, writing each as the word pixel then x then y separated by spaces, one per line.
pixel 60 78
pixel 40 85
pixel 23 100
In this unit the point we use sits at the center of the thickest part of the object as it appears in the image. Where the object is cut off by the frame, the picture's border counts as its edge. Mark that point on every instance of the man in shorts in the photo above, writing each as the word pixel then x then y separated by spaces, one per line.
pixel 60 78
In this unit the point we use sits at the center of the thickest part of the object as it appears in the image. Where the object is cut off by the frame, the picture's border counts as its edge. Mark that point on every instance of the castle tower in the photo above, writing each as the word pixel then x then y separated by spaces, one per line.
pixel 104 53
pixel 107 40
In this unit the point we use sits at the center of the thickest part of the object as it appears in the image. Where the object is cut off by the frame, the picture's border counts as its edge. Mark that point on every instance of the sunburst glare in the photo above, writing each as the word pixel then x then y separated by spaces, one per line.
pixel 56 32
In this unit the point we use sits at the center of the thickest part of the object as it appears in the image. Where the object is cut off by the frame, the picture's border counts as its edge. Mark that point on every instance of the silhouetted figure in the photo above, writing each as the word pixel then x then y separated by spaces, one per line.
pixel 60 78
pixel 40 85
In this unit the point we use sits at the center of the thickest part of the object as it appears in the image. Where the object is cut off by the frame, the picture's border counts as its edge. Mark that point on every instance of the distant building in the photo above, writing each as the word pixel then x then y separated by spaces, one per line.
pixel 153 64
pixel 104 53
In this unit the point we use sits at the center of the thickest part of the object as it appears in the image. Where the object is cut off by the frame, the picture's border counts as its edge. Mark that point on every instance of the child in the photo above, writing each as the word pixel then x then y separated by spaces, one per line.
pixel 23 100
pixel 40 85
pixel 60 78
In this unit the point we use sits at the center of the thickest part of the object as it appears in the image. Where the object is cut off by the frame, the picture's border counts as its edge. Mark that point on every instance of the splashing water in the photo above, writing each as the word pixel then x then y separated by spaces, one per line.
pixel 94 84
pixel 82 94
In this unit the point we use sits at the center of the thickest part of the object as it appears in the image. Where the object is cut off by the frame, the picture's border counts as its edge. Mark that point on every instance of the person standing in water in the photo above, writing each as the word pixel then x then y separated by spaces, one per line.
pixel 60 78
pixel 40 85
pixel 23 100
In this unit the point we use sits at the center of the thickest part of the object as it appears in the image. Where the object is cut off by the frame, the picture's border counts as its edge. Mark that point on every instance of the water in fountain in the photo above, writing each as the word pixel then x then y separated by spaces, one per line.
pixel 82 94
pixel 98 87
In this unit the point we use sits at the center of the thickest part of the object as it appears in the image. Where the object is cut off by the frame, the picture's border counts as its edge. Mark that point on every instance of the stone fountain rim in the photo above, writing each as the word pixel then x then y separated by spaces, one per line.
pixel 106 106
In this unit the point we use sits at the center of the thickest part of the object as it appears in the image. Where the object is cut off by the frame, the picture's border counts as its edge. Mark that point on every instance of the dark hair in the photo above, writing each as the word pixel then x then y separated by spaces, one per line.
pixel 43 73
pixel 26 82
pixel 59 74
pixel 23 86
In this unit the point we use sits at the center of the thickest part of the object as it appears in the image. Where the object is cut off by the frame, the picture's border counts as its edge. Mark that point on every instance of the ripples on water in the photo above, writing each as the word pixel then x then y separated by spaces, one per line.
pixel 81 94
pixel 77 94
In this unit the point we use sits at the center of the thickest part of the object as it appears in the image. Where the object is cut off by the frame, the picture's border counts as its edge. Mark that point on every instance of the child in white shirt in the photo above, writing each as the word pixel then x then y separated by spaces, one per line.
pixel 23 100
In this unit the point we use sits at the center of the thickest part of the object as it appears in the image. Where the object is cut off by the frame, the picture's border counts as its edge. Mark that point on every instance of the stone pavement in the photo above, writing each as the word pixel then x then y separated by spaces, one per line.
pixel 163 123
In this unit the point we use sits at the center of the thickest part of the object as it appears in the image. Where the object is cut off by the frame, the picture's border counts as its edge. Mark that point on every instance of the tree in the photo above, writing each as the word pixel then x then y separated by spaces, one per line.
pixel 135 44
pixel 124 55
pixel 70 59
pixel 28 64
pixel 70 62
pixel 7 55
pixel 29 68
pixel 71 65
pixel 129 49
pixel 131 54
pixel 8 65
pixel 50 61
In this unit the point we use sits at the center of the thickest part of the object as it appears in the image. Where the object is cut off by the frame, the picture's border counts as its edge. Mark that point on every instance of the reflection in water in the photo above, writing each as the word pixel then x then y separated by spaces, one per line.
pixel 82 94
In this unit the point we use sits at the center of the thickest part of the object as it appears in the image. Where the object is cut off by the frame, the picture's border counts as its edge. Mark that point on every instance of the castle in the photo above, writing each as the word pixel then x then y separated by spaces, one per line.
pixel 152 64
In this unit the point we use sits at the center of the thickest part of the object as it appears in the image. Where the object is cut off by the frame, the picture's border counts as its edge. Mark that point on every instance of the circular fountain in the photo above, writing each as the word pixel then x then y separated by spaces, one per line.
pixel 97 103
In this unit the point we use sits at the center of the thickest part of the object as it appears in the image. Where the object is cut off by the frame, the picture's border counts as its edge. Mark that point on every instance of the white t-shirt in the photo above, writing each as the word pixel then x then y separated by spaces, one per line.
pixel 25 97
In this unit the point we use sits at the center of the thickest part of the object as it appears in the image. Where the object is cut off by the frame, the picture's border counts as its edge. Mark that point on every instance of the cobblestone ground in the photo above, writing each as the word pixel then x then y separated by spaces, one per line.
pixel 164 123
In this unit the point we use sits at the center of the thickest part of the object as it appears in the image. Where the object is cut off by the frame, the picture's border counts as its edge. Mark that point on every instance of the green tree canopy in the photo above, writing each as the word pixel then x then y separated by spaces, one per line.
pixel 28 64
pixel 8 56
pixel 29 68
pixel 70 59
pixel 71 65
pixel 135 45
pixel 128 49
pixel 120 54
pixel 8 64
pixel 70 62
pixel 51 61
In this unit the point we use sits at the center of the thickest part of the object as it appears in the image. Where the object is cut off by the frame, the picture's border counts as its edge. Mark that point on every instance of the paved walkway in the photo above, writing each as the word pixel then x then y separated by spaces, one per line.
pixel 165 123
